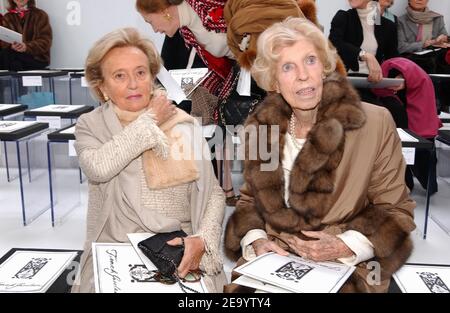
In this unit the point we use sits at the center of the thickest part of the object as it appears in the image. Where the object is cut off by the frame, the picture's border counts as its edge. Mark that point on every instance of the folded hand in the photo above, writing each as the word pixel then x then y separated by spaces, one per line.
pixel 326 248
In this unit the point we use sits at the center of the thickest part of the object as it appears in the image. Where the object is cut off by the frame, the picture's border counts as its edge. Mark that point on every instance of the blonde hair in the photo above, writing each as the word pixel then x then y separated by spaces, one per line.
pixel 124 37
pixel 286 34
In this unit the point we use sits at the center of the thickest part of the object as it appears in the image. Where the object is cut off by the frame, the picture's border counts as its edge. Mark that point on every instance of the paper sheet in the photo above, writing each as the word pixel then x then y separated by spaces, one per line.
pixel 423 278
pixel 405 137
pixel 11 126
pixel 423 52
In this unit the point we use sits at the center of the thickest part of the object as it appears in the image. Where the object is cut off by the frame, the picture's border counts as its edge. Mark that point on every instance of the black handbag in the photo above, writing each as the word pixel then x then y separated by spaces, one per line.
pixel 165 257
pixel 234 109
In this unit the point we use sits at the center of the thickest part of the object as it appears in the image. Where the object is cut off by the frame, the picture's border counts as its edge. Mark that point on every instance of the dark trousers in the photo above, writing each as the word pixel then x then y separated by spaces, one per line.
pixel 16 61
pixel 423 164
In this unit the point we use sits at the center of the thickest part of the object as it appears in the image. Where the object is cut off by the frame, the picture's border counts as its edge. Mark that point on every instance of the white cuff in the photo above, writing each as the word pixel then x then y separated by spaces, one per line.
pixel 359 244
pixel 248 252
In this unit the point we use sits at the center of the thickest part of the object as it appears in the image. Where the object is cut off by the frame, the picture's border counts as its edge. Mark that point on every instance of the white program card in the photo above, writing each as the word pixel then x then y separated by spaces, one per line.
pixel 33 271
pixel 405 137
pixel 4 107
pixel 59 108
pixel 174 91
pixel 10 36
pixel 423 278
pixel 297 274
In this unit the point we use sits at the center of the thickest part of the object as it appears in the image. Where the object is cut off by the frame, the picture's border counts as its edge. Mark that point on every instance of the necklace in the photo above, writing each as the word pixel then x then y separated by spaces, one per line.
pixel 292 131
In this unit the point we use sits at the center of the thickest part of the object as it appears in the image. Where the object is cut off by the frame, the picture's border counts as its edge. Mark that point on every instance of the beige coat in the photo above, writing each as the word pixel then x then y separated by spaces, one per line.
pixel 108 191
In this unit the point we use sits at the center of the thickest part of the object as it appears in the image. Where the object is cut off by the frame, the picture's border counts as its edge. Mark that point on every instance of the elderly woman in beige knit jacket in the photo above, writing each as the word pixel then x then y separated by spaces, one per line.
pixel 128 148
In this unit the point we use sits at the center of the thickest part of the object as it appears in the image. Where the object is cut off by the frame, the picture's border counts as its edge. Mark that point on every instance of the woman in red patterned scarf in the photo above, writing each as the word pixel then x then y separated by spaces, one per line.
pixel 203 27
pixel 34 50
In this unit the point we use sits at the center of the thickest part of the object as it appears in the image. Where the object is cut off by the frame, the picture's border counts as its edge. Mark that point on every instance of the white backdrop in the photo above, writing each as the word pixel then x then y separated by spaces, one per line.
pixel 97 17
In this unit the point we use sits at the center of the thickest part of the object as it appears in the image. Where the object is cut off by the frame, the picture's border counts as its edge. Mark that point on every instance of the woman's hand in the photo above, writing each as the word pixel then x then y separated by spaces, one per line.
pixel 162 108
pixel 194 248
pixel 375 74
pixel 263 245
pixel 399 87
pixel 442 39
pixel 327 247
pixel 19 47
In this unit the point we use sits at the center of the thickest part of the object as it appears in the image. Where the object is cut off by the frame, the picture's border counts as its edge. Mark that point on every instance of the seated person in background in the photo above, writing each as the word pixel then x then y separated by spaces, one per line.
pixel 364 40
pixel 34 53
pixel 202 27
pixel 385 12
pixel 419 29
pixel 339 175
pixel 137 150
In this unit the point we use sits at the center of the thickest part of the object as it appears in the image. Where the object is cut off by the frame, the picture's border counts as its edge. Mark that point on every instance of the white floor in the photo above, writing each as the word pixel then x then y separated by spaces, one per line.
pixel 70 233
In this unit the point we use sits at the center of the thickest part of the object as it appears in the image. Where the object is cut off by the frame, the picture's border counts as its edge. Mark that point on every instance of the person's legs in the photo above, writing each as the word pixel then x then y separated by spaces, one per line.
pixel 231 198
pixel 394 105
pixel 397 110
pixel 15 61
pixel 423 165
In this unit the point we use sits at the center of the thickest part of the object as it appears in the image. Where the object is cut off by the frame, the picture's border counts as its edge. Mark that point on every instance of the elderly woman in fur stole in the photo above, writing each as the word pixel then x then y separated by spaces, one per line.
pixel 148 166
pixel 337 191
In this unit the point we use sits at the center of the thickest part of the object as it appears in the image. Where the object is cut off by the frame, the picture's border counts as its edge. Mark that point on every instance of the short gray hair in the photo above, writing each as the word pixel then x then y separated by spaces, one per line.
pixel 286 34
pixel 124 37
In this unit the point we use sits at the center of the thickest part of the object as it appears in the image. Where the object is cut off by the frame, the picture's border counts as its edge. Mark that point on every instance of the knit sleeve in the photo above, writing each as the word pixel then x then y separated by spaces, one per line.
pixel 101 161
pixel 211 231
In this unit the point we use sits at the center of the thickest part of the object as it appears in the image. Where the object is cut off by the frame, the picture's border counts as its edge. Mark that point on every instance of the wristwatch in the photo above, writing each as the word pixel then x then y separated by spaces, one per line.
pixel 361 55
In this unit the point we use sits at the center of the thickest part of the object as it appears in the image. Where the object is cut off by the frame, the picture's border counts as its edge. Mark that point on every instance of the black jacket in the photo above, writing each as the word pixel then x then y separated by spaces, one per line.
pixel 346 34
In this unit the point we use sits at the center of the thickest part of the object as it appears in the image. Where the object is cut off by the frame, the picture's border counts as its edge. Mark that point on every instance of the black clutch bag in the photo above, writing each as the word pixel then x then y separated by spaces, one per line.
pixel 234 109
pixel 165 257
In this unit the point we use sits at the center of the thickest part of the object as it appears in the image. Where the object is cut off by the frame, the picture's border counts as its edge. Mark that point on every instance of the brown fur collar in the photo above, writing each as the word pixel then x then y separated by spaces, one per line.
pixel 313 173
